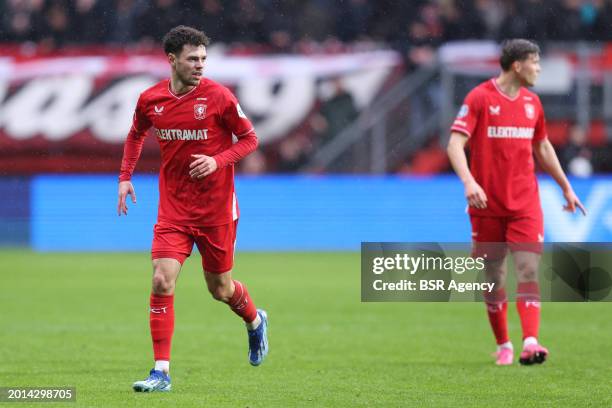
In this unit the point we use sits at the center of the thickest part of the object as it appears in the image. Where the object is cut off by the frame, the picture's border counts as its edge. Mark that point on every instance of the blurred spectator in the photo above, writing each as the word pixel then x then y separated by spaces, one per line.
pixel 513 25
pixel 247 22
pixel 461 23
pixel 535 13
pixel 576 155
pixel 603 22
pixel 316 21
pixel 421 50
pixel 212 19
pixel 418 42
pixel 353 19
pixel 293 152
pixel 431 19
pixel 90 20
pixel 22 20
pixel 57 29
pixel 492 15
pixel 336 113
pixel 567 23
pixel 280 42
pixel 158 18
pixel 120 22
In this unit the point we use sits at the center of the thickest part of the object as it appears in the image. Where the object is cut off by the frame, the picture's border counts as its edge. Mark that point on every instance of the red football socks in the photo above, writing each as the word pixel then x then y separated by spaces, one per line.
pixel 497 309
pixel 242 304
pixel 161 320
pixel 528 306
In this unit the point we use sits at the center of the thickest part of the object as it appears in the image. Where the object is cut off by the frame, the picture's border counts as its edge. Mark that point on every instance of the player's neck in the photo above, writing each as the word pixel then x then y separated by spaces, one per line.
pixel 507 84
pixel 178 87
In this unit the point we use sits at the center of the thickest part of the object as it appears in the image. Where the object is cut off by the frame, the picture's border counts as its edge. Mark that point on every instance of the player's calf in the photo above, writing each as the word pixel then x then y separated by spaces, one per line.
pixel 222 293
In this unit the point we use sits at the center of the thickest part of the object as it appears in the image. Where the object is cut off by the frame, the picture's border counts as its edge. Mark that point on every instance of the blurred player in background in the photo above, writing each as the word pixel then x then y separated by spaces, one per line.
pixel 504 124
pixel 194 119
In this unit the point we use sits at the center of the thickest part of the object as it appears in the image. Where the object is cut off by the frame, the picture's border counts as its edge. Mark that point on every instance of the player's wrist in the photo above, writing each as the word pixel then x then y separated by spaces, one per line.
pixel 566 187
pixel 468 181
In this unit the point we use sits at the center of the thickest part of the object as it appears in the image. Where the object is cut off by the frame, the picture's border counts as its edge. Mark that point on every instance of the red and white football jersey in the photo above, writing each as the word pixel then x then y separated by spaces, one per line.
pixel 200 121
pixel 501 132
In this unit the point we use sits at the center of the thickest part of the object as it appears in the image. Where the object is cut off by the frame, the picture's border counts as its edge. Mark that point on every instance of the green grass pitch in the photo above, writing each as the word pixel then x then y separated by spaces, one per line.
pixel 81 320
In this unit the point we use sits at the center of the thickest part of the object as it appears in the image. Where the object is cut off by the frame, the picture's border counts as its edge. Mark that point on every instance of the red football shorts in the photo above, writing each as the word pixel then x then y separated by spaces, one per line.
pixel 216 244
pixel 494 235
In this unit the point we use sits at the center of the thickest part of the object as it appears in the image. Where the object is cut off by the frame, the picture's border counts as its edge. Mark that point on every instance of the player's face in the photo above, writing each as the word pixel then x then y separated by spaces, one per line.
pixel 188 65
pixel 528 70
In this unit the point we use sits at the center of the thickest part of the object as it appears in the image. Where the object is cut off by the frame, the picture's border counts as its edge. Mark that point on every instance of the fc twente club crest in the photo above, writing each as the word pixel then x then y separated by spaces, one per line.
pixel 199 111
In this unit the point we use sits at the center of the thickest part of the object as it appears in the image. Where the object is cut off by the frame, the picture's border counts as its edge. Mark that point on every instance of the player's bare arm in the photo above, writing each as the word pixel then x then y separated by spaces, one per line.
pixel 125 188
pixel 474 194
pixel 202 166
pixel 547 158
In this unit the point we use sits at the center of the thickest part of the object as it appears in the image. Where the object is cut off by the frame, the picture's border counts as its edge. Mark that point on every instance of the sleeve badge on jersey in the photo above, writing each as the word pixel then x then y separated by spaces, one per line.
pixel 199 111
pixel 529 111
pixel 240 112
pixel 463 112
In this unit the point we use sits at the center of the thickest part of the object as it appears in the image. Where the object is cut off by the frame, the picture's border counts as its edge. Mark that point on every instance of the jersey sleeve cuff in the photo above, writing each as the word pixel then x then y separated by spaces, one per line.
pixel 220 163
pixel 541 139
pixel 246 133
pixel 460 130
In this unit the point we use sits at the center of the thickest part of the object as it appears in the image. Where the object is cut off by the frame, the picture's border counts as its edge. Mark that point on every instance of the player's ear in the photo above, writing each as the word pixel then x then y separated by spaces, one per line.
pixel 172 59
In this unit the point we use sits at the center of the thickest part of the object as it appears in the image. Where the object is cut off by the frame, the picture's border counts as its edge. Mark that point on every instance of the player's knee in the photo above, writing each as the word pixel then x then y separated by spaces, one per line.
pixel 498 280
pixel 162 285
pixel 495 273
pixel 527 271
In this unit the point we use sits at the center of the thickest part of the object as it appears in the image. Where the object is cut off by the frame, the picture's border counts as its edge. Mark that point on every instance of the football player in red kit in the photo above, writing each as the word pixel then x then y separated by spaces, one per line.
pixel 503 124
pixel 194 120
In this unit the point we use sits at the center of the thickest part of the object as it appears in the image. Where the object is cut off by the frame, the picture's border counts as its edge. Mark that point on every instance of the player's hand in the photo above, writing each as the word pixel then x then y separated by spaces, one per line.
pixel 202 166
pixel 125 188
pixel 475 195
pixel 573 202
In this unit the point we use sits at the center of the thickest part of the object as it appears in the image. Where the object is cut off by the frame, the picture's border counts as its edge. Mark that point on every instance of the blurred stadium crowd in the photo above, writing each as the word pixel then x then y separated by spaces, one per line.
pixel 415 29
pixel 283 25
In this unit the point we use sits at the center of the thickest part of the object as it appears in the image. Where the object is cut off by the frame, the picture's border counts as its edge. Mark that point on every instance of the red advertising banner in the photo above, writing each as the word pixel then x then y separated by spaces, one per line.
pixel 71 113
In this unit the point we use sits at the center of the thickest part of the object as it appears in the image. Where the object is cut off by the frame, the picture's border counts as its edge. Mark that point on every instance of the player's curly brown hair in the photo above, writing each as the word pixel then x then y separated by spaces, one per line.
pixel 516 50
pixel 176 38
